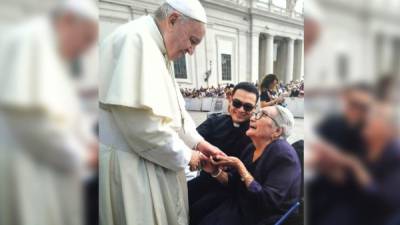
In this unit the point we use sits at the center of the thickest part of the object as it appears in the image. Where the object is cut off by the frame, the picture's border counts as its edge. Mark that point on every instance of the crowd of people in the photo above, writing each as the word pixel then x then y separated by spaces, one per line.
pixel 219 91
pixel 294 88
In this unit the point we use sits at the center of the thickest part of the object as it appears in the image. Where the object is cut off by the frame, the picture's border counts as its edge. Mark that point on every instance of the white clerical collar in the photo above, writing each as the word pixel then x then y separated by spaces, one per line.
pixel 236 124
pixel 156 34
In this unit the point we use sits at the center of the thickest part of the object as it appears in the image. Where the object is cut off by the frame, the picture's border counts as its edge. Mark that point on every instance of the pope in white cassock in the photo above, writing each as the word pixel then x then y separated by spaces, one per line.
pixel 45 138
pixel 147 138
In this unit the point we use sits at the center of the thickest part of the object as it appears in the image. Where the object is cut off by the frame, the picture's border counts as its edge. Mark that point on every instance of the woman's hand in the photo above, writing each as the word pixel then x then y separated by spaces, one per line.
pixel 234 162
pixel 225 161
pixel 208 166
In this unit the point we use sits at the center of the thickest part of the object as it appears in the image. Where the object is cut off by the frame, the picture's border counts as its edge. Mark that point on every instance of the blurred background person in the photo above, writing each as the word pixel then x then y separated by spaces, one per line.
pixel 362 190
pixel 312 26
pixel 343 179
pixel 343 131
pixel 47 141
pixel 344 175
pixel 344 127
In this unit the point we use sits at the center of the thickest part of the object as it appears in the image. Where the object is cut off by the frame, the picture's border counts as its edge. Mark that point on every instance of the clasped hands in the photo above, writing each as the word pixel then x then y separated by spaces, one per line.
pixel 211 159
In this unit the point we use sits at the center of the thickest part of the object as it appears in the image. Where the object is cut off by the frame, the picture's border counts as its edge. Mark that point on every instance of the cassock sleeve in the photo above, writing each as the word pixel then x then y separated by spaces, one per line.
pixel 190 136
pixel 271 193
pixel 151 138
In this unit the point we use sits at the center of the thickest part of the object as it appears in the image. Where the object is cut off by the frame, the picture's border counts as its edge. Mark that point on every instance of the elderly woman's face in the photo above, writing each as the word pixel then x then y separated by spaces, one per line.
pixel 262 124
pixel 183 37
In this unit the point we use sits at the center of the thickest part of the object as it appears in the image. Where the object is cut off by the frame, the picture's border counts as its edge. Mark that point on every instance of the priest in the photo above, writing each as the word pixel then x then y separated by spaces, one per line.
pixel 147 138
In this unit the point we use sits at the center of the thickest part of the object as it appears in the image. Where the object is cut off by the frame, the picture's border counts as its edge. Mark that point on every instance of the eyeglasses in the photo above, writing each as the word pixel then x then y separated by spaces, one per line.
pixel 238 104
pixel 258 115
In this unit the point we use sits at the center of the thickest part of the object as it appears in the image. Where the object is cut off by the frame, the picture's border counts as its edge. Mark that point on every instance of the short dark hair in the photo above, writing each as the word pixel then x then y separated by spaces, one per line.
pixel 247 86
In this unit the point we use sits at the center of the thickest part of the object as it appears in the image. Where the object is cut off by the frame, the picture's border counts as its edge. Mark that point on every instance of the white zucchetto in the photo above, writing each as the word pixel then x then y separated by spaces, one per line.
pixel 190 8
pixel 84 8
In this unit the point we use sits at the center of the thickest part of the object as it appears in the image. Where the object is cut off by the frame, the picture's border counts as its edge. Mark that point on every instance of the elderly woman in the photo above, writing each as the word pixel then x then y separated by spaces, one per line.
pixel 263 183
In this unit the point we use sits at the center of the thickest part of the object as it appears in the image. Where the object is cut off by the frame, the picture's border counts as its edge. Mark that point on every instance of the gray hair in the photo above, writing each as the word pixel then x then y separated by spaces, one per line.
pixel 166 10
pixel 284 120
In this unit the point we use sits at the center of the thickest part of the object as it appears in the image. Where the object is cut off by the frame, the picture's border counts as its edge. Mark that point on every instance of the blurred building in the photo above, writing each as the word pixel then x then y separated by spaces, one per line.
pixel 245 39
pixel 12 13
pixel 360 41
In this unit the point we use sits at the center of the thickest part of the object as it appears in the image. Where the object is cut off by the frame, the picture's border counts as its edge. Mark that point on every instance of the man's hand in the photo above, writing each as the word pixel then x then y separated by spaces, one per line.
pixel 196 159
pixel 209 149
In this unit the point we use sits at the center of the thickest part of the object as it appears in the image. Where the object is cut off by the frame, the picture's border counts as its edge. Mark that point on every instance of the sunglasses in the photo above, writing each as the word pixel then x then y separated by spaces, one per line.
pixel 238 104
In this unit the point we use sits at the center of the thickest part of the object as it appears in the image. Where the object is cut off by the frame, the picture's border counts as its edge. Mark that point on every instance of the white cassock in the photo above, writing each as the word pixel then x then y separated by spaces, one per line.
pixel 143 146
pixel 42 134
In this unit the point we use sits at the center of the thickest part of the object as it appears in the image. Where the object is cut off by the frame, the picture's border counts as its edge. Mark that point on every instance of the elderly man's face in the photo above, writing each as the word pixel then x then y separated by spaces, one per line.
pixel 76 35
pixel 242 104
pixel 262 125
pixel 182 36
pixel 312 32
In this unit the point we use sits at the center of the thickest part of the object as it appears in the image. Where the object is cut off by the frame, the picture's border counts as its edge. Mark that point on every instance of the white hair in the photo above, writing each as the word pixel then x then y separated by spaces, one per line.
pixel 166 10
pixel 285 120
